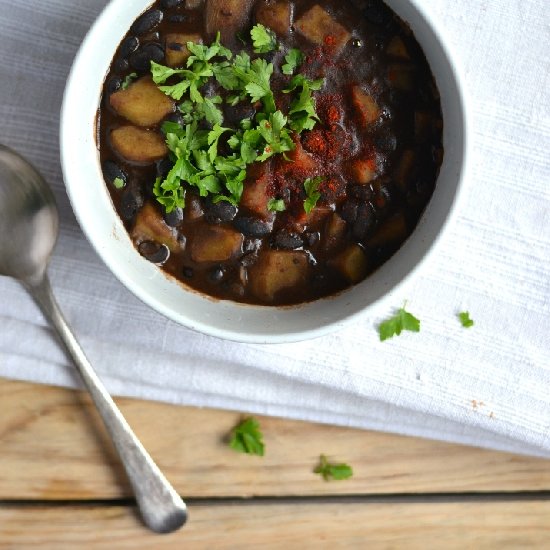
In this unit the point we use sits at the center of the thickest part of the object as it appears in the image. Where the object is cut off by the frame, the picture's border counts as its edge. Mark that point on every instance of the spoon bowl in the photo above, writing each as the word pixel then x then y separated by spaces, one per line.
pixel 28 231
pixel 28 219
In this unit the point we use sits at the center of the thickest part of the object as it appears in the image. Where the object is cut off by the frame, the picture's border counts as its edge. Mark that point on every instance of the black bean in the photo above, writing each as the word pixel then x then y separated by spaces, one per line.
pixel 177 118
pixel 234 114
pixel 142 57
pixel 286 240
pixel 166 4
pixel 175 217
pixel 361 192
pixel 182 241
pixel 111 171
pixel 364 221
pixel 221 212
pixel 216 275
pixel 121 65
pixel 377 13
pixel 349 211
pixel 386 142
pixel 154 252
pixel 129 45
pixel 252 227
pixel 131 201
pixel 163 166
pixel 311 238
pixel 179 18
pixel 188 272
pixel 113 84
pixel 149 20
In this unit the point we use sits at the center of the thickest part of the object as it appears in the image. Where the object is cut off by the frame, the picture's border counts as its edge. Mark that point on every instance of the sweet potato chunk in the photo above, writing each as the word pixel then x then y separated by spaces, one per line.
pixel 402 76
pixel 255 193
pixel 334 231
pixel 364 170
pixel 138 145
pixel 366 106
pixel 215 244
pixel 227 16
pixel 405 169
pixel 150 226
pixel 176 48
pixel 319 27
pixel 274 14
pixel 300 159
pixel 352 263
pixel 277 270
pixel 397 48
pixel 142 103
pixel 392 231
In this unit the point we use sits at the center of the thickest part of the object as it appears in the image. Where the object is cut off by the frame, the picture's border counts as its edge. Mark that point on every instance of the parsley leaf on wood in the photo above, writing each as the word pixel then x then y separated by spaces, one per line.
pixel 247 438
pixel 330 470
pixel 402 320
pixel 294 58
pixel 464 318
pixel 311 186
pixel 263 39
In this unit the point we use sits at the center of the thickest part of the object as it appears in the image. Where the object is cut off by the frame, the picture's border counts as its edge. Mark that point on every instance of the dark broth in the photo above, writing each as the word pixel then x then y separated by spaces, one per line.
pixel 379 160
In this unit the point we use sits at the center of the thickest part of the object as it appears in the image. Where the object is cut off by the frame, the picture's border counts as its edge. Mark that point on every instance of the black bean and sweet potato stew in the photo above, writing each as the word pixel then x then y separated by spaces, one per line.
pixel 269 151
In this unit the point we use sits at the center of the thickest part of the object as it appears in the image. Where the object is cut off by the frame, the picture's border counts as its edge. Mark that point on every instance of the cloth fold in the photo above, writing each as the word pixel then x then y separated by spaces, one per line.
pixel 487 385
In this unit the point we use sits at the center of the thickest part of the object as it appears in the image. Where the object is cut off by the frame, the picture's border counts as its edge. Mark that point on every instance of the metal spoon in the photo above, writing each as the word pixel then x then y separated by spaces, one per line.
pixel 28 232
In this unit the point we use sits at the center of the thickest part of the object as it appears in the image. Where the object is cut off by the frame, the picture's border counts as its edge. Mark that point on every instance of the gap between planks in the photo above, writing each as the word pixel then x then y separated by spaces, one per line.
pixel 54 447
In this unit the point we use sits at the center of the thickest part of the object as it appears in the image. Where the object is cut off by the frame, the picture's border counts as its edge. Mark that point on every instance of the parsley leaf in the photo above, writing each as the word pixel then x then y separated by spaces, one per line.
pixel 302 113
pixel 330 470
pixel 119 183
pixel 263 39
pixel 255 77
pixel 311 186
pixel 247 438
pixel 275 134
pixel 402 320
pixel 128 80
pixel 464 318
pixel 170 193
pixel 276 205
pixel 213 138
pixel 294 58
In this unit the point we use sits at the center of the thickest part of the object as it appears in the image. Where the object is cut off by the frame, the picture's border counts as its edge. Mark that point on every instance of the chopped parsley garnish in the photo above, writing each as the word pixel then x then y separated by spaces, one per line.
pixel 464 318
pixel 331 471
pixel 247 438
pixel 311 186
pixel 302 113
pixel 294 58
pixel 128 80
pixel 276 205
pixel 263 39
pixel 402 320
pixel 215 161
pixel 119 183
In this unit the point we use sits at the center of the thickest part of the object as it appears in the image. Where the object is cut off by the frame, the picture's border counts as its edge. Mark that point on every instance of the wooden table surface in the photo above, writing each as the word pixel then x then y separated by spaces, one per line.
pixel 61 485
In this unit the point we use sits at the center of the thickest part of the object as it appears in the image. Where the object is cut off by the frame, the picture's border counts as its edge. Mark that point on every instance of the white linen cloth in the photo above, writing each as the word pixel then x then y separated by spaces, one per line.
pixel 488 385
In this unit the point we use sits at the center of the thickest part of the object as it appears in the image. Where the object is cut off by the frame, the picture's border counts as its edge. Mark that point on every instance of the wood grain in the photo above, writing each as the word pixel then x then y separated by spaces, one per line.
pixel 53 447
pixel 419 526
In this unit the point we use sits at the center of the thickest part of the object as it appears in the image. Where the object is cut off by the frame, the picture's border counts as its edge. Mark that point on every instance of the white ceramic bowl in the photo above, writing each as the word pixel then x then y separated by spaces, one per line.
pixel 99 221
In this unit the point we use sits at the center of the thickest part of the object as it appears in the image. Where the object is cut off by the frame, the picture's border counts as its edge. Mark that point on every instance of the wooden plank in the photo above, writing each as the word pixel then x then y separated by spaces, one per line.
pixel 53 447
pixel 419 526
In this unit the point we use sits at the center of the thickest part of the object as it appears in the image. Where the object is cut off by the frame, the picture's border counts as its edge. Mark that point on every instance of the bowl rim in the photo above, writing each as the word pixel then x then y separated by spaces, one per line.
pixel 67 136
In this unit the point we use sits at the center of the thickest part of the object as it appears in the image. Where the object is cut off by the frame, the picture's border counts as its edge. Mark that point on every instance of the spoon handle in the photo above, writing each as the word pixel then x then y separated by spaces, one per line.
pixel 161 507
